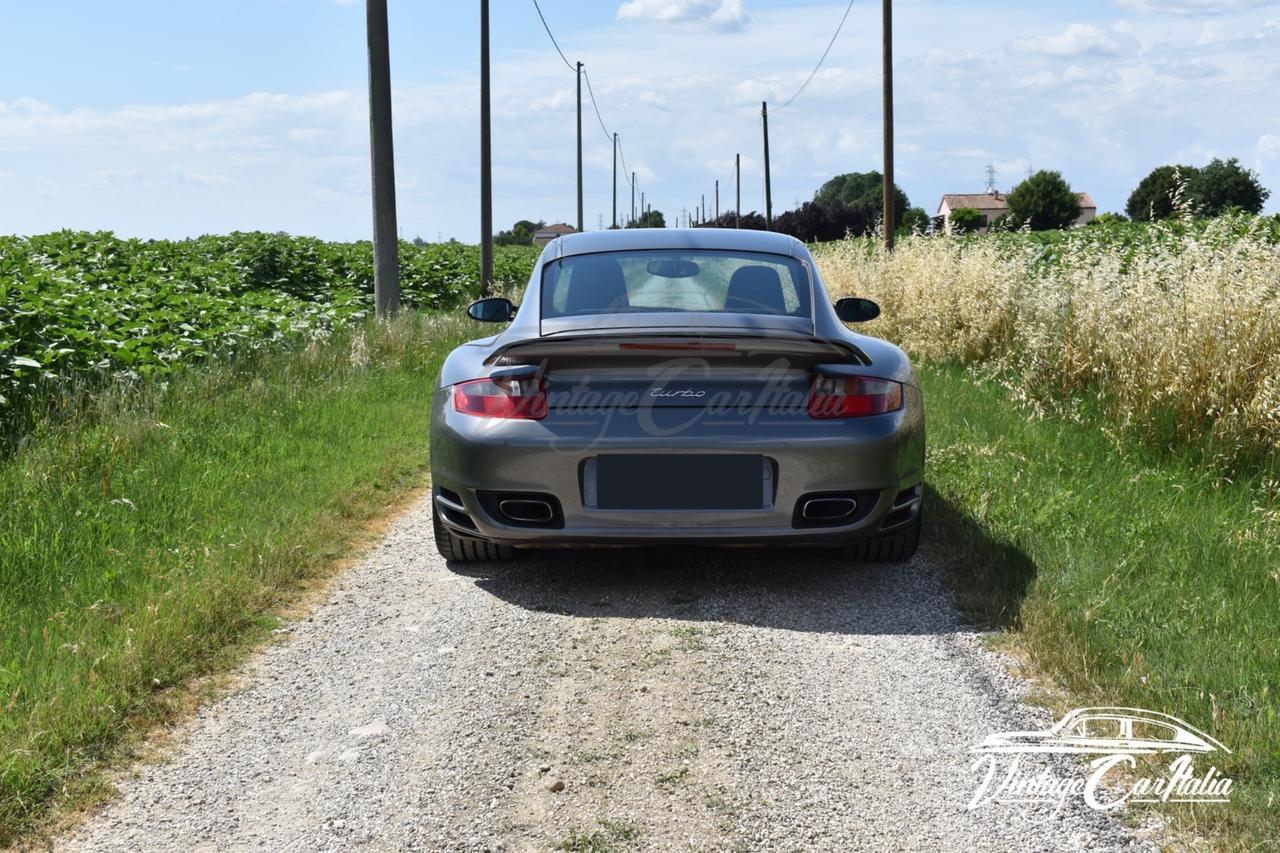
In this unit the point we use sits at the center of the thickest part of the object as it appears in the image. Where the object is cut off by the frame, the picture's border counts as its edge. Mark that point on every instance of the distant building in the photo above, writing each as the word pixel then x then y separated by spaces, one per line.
pixel 993 205
pixel 547 233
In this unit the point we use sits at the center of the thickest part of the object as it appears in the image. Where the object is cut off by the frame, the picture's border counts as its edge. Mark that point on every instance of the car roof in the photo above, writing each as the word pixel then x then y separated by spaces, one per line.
pixel 632 239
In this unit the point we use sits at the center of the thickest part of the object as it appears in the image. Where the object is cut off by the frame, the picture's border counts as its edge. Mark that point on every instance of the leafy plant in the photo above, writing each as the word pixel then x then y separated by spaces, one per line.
pixel 966 220
pixel 80 307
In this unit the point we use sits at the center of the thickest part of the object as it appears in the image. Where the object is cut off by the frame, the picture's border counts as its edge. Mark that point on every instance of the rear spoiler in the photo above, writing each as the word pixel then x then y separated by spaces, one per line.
pixel 650 345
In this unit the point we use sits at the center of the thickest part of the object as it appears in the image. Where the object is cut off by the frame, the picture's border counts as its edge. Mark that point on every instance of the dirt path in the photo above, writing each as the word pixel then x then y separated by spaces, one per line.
pixel 683 700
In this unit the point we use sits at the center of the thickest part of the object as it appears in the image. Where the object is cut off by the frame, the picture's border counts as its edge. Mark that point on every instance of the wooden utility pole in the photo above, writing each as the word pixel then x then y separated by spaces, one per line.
pixel 615 180
pixel 633 198
pixel 386 251
pixel 737 177
pixel 717 199
pixel 768 187
pixel 642 222
pixel 486 159
pixel 702 212
pixel 889 224
pixel 579 146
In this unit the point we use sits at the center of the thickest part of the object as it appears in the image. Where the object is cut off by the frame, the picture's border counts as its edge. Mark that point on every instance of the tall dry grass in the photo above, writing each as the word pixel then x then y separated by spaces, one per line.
pixel 1172 330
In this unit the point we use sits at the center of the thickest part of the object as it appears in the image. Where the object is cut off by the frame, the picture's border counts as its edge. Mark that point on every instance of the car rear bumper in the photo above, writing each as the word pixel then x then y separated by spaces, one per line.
pixel 476 461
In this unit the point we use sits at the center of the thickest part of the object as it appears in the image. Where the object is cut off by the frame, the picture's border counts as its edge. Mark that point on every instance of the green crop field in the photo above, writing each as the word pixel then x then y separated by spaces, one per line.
pixel 83 308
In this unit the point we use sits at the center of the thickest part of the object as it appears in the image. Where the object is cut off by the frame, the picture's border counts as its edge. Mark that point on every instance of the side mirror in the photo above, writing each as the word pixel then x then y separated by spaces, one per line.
pixel 853 309
pixel 494 309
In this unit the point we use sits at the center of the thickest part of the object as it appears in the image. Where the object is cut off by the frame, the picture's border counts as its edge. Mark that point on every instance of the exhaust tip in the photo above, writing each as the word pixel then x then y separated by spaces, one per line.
pixel 834 509
pixel 527 510
pixel 828 509
pixel 523 509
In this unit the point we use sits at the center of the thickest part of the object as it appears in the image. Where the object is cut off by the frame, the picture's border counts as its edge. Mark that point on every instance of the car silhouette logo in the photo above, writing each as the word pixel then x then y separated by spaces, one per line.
pixel 1107 731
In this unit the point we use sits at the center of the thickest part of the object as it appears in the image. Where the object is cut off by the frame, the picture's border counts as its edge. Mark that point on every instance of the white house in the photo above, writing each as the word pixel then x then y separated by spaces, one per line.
pixel 993 205
pixel 546 234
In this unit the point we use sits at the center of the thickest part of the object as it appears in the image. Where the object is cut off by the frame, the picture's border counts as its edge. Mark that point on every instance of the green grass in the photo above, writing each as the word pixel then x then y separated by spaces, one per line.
pixel 146 535
pixel 1128 578
pixel 604 840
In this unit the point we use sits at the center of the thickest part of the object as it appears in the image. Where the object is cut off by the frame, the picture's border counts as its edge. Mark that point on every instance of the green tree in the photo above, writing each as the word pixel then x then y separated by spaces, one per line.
pixel 864 192
pixel 1226 184
pixel 521 234
pixel 966 220
pixel 652 219
pixel 1045 201
pixel 1154 196
pixel 915 219
pixel 1103 220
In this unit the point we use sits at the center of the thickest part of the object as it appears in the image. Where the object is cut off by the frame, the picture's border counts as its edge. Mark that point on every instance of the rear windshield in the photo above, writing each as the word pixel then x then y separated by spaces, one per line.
pixel 675 281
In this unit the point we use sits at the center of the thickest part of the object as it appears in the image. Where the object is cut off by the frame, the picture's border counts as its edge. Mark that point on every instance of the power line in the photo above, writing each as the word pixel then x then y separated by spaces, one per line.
pixel 623 157
pixel 567 63
pixel 594 106
pixel 608 135
pixel 591 92
pixel 814 72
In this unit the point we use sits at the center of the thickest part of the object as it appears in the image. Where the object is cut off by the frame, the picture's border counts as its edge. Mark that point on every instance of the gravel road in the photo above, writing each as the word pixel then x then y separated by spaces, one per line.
pixel 642 700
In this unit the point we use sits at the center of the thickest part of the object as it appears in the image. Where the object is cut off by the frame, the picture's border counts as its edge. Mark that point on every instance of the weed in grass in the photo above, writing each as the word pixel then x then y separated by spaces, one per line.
pixel 673 778
pixel 603 840
pixel 689 638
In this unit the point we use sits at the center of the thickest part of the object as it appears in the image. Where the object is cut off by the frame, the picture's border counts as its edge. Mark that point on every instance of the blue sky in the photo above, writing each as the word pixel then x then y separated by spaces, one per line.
pixel 169 119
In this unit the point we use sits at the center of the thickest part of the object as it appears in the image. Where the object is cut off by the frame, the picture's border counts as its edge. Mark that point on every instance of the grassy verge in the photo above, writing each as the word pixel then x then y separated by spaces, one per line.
pixel 1128 579
pixel 143 538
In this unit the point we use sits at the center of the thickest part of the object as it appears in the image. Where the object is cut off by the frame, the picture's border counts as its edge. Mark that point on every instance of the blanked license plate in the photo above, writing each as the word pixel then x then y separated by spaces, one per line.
pixel 680 481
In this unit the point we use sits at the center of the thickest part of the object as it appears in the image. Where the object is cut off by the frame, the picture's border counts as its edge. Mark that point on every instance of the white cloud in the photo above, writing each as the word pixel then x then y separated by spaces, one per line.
pixel 203 179
pixel 1195 7
pixel 1268 148
pixel 1078 40
pixel 719 14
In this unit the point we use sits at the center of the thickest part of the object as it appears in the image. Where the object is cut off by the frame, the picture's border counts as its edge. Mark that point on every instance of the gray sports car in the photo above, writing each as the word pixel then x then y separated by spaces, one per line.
pixel 662 386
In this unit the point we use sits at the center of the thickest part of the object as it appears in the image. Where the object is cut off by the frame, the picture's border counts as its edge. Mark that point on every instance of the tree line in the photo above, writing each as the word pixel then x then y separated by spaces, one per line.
pixel 853 203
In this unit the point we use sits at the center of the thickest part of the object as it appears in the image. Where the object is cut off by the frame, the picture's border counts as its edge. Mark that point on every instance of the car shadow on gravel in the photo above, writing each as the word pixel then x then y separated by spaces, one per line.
pixel 798 589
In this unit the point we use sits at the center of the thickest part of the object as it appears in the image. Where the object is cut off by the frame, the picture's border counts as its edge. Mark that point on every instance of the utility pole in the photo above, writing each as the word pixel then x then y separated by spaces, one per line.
pixel 633 198
pixel 486 159
pixel 717 199
pixel 642 208
pixel 615 180
pixel 579 146
pixel 768 188
pixel 737 177
pixel 386 251
pixel 702 216
pixel 888 125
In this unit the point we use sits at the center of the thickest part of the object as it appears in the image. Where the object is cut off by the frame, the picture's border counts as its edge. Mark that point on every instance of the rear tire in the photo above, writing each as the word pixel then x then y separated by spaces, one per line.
pixel 465 549
pixel 896 547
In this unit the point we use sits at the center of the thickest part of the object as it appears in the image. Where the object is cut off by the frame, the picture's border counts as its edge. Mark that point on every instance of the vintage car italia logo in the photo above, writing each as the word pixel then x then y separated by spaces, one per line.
pixel 1116 736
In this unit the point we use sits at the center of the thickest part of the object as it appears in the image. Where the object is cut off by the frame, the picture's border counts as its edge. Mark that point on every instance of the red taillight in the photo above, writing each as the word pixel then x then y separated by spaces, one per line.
pixel 523 398
pixel 853 397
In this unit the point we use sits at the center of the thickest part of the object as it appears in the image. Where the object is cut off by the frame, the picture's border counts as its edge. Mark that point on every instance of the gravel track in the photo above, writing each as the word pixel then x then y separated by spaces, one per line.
pixel 679 700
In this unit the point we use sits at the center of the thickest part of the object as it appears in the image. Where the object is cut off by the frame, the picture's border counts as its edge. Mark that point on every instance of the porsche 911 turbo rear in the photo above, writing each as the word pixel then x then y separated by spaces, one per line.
pixel 676 388
pixel 657 440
